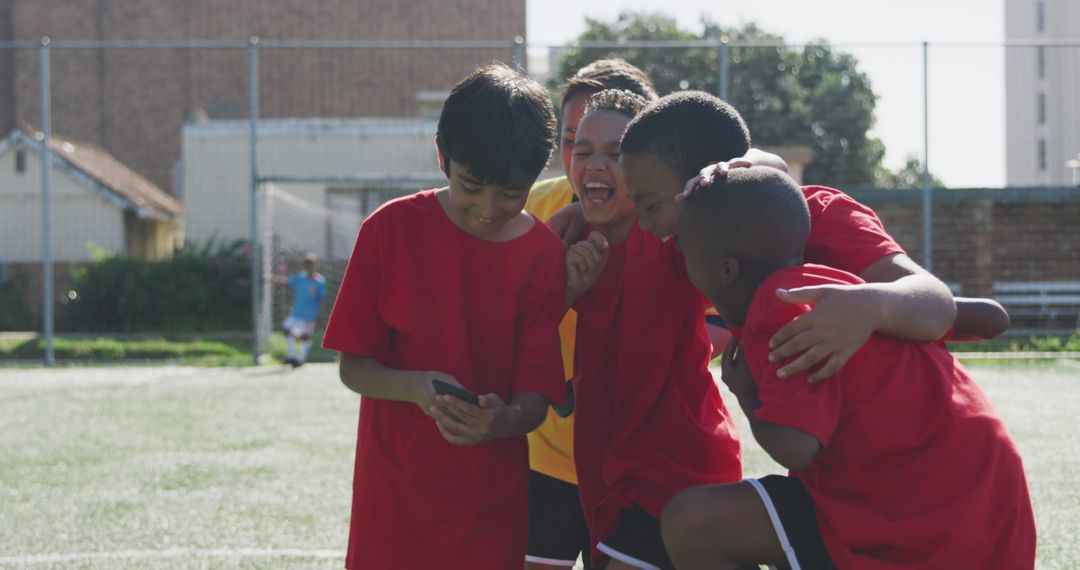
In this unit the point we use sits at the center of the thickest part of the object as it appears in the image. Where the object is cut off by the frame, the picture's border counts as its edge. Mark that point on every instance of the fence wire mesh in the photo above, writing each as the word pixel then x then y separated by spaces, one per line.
pixel 154 182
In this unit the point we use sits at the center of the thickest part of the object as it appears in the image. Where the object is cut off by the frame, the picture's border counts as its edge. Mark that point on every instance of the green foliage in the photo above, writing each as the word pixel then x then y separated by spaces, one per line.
pixel 14 314
pixel 909 176
pixel 204 288
pixel 1049 343
pixel 103 349
pixel 813 96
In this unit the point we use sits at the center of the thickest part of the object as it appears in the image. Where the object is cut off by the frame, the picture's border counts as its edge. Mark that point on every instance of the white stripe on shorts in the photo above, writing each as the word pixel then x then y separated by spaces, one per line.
pixel 785 544
pixel 549 561
pixel 621 557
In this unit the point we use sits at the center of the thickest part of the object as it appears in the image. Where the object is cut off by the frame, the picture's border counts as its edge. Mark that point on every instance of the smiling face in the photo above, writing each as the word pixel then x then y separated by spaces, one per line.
pixel 572 111
pixel 479 208
pixel 652 186
pixel 594 173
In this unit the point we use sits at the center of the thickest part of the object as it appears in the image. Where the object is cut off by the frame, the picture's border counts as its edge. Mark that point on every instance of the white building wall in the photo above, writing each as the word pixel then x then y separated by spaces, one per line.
pixel 80 215
pixel 217 189
pixel 1060 85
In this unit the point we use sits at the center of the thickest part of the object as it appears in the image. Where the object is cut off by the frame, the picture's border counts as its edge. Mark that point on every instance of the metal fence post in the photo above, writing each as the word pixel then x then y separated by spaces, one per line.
pixel 519 52
pixel 253 157
pixel 927 197
pixel 46 203
pixel 725 61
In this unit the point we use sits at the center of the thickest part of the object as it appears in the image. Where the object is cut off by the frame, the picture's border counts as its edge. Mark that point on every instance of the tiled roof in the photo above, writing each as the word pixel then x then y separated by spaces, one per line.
pixel 96 163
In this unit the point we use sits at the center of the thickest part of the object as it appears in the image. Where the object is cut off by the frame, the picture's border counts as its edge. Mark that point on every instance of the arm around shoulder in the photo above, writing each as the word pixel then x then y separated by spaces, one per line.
pixel 979 319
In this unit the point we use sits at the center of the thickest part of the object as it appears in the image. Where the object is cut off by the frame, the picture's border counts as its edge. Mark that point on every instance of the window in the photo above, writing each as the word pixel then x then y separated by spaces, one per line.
pixel 1040 54
pixel 20 161
pixel 1041 108
pixel 1042 154
pixel 1040 15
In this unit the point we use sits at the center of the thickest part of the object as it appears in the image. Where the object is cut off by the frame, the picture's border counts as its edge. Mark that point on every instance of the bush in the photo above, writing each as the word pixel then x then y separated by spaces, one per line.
pixel 204 288
pixel 14 314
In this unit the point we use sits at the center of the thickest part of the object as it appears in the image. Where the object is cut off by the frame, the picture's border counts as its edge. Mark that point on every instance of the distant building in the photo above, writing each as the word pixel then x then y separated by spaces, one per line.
pixel 134 101
pixel 1042 87
pixel 372 161
pixel 95 199
pixel 96 202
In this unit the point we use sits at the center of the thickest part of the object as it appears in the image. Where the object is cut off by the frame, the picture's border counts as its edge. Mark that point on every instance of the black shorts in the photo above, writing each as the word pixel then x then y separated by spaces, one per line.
pixel 557 530
pixel 638 541
pixel 716 320
pixel 793 517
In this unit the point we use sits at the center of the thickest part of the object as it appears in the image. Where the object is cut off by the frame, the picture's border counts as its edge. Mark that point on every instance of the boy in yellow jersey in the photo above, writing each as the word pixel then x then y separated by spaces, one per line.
pixel 557 530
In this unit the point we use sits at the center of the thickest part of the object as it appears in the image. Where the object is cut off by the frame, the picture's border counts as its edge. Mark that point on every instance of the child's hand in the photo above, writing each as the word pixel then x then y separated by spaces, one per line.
pixel 585 262
pixel 424 393
pixel 843 318
pixel 462 423
pixel 718 172
pixel 569 224
pixel 709 175
pixel 735 373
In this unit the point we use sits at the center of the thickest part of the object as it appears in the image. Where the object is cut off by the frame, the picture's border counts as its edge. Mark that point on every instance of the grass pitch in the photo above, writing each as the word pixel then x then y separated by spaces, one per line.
pixel 184 467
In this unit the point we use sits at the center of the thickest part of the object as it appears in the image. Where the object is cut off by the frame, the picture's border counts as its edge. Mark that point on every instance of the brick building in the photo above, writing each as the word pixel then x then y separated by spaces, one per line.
pixel 134 101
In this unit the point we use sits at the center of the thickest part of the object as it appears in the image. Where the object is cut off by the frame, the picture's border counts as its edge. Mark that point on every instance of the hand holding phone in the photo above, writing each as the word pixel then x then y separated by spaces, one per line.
pixel 456 391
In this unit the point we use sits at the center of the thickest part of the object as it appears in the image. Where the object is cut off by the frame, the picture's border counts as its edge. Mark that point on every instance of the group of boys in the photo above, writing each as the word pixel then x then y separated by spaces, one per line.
pixel 896 459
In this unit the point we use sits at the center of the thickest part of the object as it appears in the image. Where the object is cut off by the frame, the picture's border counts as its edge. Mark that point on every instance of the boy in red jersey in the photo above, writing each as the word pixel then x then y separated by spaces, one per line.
pixel 558 533
pixel 655 360
pixel 672 140
pixel 899 462
pixel 457 285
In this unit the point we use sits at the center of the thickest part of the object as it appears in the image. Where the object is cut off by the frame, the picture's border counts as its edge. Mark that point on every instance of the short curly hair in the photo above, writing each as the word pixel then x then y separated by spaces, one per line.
pixel 688 131
pixel 620 101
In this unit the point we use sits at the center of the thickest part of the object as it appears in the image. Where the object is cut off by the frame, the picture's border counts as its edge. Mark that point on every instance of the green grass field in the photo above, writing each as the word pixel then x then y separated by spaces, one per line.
pixel 184 467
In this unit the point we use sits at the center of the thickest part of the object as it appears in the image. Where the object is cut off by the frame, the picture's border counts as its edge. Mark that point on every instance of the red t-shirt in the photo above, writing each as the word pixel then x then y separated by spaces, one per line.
pixel 844 233
pixel 916 469
pixel 421 294
pixel 649 418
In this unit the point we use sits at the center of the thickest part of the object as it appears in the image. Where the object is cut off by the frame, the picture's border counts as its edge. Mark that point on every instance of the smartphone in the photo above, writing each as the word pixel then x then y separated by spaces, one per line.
pixel 444 388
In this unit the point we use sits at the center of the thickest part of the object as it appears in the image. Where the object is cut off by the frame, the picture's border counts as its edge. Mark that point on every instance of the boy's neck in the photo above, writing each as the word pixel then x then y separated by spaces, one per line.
pixel 617 232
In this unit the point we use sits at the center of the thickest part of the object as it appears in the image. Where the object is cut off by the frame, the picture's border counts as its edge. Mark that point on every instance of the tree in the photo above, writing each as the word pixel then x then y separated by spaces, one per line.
pixel 909 176
pixel 813 96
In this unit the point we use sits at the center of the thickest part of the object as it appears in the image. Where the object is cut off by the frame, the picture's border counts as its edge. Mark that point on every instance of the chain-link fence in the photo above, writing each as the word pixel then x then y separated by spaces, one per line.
pixel 153 186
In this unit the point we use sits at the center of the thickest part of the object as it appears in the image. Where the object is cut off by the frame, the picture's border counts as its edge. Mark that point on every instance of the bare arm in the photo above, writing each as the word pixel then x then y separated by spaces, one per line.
pixel 979 319
pixel 569 223
pixel 790 447
pixel 369 378
pixel 900 299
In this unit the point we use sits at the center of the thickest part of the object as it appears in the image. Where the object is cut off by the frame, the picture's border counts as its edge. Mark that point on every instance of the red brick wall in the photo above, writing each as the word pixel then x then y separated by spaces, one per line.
pixel 985 236
pixel 133 102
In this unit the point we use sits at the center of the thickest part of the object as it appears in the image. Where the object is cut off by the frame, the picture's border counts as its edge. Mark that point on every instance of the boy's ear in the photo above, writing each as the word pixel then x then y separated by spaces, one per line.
pixel 729 270
pixel 441 158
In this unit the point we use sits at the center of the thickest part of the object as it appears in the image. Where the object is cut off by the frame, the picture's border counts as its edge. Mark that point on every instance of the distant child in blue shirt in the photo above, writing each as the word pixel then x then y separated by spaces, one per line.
pixel 308 290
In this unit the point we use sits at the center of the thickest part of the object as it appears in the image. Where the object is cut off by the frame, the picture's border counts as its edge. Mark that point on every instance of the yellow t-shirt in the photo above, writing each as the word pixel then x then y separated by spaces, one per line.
pixel 551 446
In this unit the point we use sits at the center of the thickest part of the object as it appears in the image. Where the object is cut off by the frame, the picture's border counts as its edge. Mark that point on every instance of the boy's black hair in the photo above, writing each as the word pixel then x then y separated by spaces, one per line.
pixel 759 215
pixel 688 131
pixel 500 124
pixel 610 73
pixel 620 101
